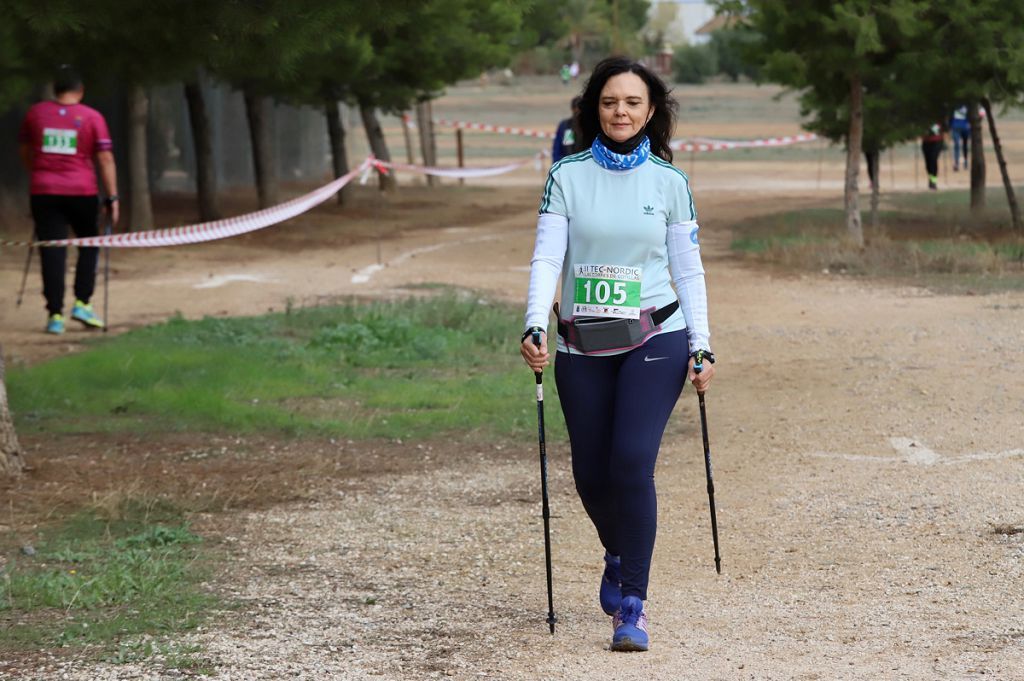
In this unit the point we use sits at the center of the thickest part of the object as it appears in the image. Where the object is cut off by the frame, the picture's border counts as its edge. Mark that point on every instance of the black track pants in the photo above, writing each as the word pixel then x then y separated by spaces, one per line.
pixel 931 151
pixel 53 214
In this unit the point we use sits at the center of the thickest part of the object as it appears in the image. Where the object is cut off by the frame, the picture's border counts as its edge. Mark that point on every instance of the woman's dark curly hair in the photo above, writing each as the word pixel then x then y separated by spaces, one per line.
pixel 663 121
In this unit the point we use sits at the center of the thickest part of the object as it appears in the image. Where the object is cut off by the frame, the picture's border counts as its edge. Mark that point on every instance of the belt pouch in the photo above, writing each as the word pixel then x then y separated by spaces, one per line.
pixel 597 334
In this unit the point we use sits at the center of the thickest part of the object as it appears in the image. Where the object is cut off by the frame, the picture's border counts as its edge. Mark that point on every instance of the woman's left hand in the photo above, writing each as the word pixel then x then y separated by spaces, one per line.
pixel 702 380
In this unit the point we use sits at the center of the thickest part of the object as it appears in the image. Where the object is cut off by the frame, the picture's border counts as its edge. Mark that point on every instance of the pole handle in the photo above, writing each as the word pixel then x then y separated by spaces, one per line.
pixel 698 361
pixel 536 341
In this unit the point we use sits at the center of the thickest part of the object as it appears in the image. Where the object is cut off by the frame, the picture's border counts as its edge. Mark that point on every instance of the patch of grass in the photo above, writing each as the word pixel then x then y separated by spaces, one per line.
pixel 408 369
pixel 104 581
pixel 944 248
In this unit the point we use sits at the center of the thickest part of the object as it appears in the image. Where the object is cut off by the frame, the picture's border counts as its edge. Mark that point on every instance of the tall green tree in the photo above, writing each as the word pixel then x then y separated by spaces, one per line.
pixel 975 55
pixel 261 45
pixel 892 114
pixel 811 45
pixel 121 47
pixel 600 27
pixel 327 83
pixel 411 64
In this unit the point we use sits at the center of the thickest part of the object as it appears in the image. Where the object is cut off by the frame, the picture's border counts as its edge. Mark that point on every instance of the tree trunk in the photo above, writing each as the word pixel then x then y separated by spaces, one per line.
pixel 977 161
pixel 336 132
pixel 141 216
pixel 854 138
pixel 378 145
pixel 202 143
pixel 873 158
pixel 12 458
pixel 408 139
pixel 428 144
pixel 260 114
pixel 1011 197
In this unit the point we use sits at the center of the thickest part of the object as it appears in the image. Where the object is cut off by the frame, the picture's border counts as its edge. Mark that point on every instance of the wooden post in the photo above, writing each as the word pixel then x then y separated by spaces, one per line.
pixel 917 163
pixel 821 160
pixel 945 165
pixel 458 150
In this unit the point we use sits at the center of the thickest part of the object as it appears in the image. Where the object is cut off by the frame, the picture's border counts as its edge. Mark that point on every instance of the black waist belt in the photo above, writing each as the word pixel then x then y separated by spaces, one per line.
pixel 597 334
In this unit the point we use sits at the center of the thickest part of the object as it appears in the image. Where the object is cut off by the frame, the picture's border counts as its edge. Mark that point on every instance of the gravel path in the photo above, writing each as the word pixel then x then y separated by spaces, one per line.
pixel 868 468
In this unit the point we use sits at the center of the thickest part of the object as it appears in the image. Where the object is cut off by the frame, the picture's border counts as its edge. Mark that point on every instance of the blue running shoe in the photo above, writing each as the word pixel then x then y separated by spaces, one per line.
pixel 630 624
pixel 611 585
pixel 82 312
pixel 55 324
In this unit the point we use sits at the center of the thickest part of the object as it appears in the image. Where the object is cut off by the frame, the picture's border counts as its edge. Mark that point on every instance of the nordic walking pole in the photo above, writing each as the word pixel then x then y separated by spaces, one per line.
pixel 545 510
pixel 24 276
pixel 106 277
pixel 698 366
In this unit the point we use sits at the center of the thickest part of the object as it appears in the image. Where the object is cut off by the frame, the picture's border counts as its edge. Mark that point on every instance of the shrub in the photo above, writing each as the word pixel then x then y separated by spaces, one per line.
pixel 730 47
pixel 694 63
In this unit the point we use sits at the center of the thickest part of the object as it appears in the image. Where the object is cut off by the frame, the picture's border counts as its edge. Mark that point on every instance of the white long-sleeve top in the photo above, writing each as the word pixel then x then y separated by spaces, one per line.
pixel 684 262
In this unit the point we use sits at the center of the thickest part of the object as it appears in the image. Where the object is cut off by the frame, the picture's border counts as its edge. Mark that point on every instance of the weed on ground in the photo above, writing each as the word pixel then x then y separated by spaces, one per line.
pixel 109 583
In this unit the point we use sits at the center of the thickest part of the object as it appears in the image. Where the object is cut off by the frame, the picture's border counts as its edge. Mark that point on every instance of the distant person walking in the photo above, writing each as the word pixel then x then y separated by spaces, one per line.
pixel 618 227
pixel 58 143
pixel 960 131
pixel 565 73
pixel 931 147
pixel 566 135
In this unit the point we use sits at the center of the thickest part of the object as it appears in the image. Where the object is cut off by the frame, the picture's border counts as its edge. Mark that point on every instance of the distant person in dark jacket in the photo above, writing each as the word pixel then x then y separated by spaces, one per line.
pixel 960 131
pixel 567 135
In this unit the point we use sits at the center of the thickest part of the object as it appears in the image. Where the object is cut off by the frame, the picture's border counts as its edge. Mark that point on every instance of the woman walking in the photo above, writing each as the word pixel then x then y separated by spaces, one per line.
pixel 617 222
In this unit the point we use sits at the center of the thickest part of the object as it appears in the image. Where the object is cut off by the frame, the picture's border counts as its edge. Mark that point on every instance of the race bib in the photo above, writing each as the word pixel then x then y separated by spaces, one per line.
pixel 58 141
pixel 607 291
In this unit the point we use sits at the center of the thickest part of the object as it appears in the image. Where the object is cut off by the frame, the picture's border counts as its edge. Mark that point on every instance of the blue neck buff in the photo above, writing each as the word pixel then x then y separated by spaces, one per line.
pixel 609 160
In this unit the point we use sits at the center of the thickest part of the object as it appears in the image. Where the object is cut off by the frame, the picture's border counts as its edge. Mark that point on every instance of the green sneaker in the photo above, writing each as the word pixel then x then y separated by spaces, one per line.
pixel 82 312
pixel 55 324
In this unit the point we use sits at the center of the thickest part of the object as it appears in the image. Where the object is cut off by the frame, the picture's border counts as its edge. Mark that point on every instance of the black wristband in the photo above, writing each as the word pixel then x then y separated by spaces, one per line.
pixel 109 201
pixel 529 332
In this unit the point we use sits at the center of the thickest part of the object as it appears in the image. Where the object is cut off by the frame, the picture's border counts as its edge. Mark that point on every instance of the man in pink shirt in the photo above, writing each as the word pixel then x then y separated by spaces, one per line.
pixel 59 142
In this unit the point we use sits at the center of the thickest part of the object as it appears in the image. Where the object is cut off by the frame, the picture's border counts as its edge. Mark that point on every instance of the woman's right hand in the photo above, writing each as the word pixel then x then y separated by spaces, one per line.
pixel 535 357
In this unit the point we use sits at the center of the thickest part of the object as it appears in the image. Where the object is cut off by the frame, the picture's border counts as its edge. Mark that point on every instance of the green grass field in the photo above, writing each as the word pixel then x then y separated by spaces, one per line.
pixel 929 238
pixel 418 368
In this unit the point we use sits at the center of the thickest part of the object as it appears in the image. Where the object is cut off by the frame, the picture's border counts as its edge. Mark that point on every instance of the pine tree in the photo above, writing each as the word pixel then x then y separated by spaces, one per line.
pixel 814 45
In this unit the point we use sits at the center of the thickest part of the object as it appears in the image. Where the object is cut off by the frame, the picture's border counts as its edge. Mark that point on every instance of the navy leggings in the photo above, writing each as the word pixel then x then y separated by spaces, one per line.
pixel 616 409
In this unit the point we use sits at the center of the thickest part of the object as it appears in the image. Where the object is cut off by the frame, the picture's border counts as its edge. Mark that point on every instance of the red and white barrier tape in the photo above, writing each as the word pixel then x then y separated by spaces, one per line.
pixel 708 144
pixel 694 144
pixel 251 222
pixel 500 129
pixel 211 231
pixel 463 172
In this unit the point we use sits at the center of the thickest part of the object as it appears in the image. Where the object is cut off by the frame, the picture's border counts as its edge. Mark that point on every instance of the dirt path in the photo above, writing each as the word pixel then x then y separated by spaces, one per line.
pixel 867 443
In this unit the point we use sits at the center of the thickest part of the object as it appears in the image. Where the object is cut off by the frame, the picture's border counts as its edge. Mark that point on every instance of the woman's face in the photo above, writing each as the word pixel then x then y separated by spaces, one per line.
pixel 624 106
